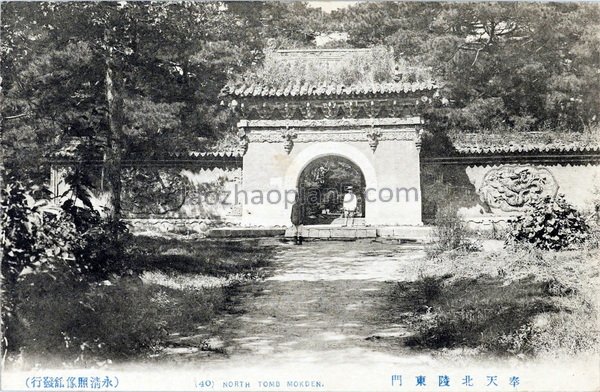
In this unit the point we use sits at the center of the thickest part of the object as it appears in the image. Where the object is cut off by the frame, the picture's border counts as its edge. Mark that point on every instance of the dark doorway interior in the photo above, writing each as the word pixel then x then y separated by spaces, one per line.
pixel 322 185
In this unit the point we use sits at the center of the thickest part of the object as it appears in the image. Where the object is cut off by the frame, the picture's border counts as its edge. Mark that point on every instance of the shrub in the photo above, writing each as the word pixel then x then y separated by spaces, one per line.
pixel 551 224
pixel 72 243
pixel 34 235
pixel 450 233
pixel 101 249
pixel 35 238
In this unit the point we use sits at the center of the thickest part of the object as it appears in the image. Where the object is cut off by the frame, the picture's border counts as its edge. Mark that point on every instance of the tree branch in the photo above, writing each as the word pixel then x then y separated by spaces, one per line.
pixel 15 116
pixel 476 57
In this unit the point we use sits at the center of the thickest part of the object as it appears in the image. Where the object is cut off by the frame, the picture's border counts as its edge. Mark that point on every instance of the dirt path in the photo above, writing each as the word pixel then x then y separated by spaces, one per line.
pixel 324 299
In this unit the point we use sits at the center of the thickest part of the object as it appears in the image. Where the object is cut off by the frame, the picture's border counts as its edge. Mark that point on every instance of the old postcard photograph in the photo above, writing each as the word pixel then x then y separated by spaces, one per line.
pixel 300 196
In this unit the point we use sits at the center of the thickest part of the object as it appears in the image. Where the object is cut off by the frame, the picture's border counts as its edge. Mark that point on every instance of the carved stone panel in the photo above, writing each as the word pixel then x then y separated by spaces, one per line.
pixel 331 136
pixel 178 192
pixel 373 135
pixel 151 191
pixel 288 136
pixel 333 108
pixel 511 188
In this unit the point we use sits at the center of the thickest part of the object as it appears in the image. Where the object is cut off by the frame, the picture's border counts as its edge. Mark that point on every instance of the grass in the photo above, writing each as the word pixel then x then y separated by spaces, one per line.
pixel 176 286
pixel 199 256
pixel 82 324
pixel 475 312
pixel 523 302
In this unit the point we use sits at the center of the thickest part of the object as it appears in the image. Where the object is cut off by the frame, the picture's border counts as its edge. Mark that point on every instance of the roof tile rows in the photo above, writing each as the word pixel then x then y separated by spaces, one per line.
pixel 209 154
pixel 194 155
pixel 526 142
pixel 243 90
pixel 561 148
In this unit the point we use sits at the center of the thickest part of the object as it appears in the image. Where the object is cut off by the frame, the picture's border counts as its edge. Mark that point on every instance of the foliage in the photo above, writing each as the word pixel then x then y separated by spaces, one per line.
pixel 280 25
pixel 69 244
pixel 450 233
pixel 518 66
pixel 24 234
pixel 552 224
pixel 360 68
pixel 35 238
pixel 101 249
pixel 167 64
pixel 503 66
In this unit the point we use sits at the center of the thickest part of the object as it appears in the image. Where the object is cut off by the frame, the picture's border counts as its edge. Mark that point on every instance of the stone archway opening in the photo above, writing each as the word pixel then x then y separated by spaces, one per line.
pixel 322 185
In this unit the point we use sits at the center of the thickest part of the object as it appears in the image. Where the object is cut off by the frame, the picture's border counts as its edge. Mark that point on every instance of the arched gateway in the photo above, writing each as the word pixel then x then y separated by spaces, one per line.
pixel 322 186
pixel 285 128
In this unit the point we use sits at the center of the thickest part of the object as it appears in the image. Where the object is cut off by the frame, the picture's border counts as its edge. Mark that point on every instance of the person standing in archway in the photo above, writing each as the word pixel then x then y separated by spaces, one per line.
pixel 298 218
pixel 349 206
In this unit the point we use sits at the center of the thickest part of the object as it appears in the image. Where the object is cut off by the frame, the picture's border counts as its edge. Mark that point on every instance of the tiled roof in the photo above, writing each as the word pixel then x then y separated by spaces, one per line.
pixel 526 142
pixel 200 156
pixel 243 90
pixel 205 155
pixel 556 148
pixel 69 152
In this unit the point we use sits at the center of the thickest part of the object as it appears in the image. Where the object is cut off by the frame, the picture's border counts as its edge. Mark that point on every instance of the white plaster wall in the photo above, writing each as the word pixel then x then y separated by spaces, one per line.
pixel 579 183
pixel 221 203
pixel 220 208
pixel 394 164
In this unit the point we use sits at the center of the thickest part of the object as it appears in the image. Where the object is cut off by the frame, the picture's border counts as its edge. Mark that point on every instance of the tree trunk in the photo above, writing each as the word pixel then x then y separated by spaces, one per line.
pixel 114 139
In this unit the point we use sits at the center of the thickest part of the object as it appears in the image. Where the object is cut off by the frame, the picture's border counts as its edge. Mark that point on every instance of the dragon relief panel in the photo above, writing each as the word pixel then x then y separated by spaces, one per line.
pixel 153 191
pixel 173 192
pixel 511 188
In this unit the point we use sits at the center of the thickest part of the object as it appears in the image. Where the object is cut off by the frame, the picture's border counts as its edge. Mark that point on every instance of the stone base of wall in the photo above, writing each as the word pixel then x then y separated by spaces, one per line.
pixel 176 225
pixel 413 233
pixel 210 228
pixel 489 223
pixel 409 233
pixel 245 232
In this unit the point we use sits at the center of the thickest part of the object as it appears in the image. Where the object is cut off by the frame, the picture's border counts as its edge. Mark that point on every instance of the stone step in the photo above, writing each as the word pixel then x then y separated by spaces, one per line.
pixel 420 234
pixel 356 222
pixel 335 232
